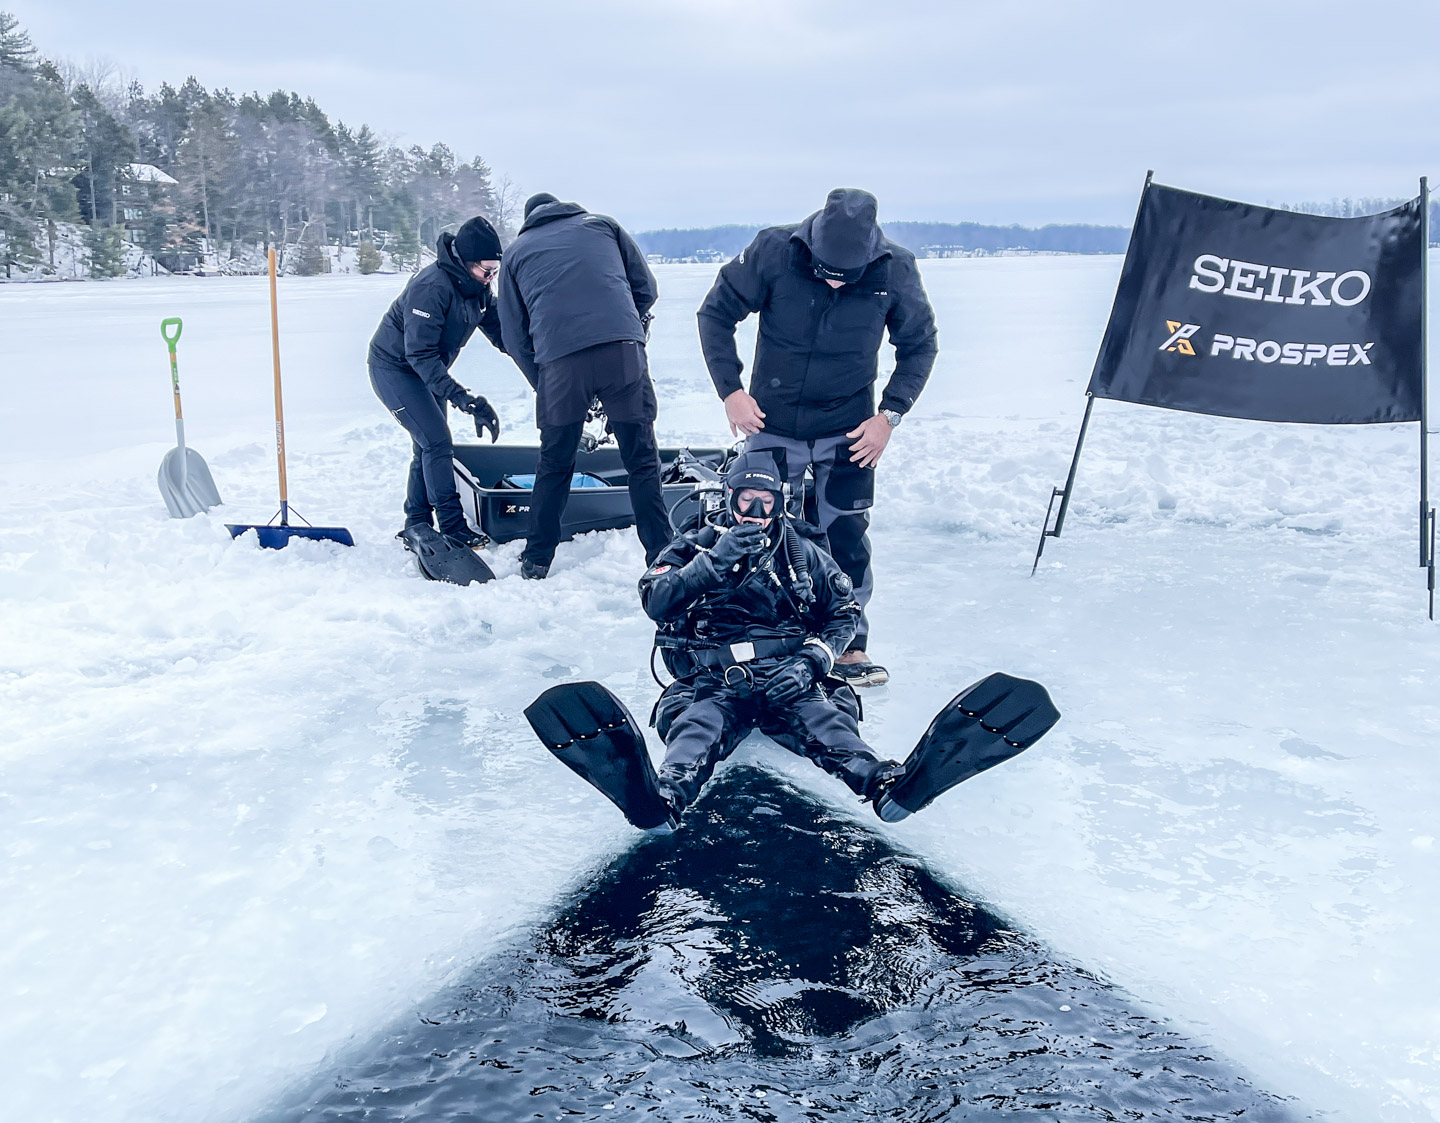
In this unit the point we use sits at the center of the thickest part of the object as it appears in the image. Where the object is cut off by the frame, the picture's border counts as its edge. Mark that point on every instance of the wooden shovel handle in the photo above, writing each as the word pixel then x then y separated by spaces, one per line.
pixel 279 406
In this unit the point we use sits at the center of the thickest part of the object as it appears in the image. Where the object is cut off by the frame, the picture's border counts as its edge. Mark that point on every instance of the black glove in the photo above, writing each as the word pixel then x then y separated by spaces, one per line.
pixel 736 543
pixel 792 679
pixel 483 413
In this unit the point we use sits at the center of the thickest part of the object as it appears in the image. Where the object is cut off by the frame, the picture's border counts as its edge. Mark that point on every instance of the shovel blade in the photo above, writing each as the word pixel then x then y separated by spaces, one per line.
pixel 278 537
pixel 186 484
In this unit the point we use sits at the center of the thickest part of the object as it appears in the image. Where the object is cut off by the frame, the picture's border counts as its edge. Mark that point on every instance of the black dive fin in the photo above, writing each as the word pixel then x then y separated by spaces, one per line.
pixel 440 559
pixel 984 725
pixel 593 734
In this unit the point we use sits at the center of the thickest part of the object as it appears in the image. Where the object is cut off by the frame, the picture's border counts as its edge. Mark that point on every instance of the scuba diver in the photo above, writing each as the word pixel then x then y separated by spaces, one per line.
pixel 750 615
pixel 411 353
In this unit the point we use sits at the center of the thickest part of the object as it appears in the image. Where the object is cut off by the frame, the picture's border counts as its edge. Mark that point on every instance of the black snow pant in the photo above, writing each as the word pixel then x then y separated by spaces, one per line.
pixel 618 374
pixel 839 504
pixel 430 488
pixel 703 719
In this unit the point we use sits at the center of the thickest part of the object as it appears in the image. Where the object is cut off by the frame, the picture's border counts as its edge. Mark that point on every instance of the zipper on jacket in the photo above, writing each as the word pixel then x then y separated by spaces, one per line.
pixel 829 295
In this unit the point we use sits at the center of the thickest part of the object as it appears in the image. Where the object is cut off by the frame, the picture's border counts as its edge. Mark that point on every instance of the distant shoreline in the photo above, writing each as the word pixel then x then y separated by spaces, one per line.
pixel 924 239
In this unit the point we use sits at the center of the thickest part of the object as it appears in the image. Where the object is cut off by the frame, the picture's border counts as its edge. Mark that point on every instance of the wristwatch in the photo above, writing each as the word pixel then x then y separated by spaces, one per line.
pixel 891 416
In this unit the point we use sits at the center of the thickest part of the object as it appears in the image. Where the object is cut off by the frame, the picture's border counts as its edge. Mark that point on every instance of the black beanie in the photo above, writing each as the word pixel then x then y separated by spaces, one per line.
pixel 477 241
pixel 539 199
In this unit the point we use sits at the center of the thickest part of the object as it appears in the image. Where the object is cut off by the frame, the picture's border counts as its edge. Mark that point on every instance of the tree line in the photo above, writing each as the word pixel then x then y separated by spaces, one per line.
pixel 251 170
pixel 924 238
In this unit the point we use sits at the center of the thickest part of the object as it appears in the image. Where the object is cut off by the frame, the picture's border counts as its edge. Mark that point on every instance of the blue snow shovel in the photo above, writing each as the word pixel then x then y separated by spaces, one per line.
pixel 273 535
pixel 185 481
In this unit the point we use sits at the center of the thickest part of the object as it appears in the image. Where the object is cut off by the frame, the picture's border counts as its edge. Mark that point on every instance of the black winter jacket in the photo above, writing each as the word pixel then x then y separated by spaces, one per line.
pixel 693 601
pixel 432 319
pixel 571 280
pixel 817 355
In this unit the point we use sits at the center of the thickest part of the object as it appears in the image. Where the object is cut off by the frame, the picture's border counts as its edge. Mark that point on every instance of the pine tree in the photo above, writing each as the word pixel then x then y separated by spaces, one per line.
pixel 106 249
pixel 17 53
pixel 104 145
pixel 404 244
pixel 369 260
pixel 313 260
pixel 37 138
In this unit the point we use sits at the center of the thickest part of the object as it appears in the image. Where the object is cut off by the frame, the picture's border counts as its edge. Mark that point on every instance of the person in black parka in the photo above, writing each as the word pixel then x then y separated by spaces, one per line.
pixel 827 290
pixel 575 296
pixel 410 358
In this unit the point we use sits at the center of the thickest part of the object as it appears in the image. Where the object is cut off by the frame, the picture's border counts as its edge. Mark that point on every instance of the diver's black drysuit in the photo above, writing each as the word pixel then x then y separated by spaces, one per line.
pixel 778 601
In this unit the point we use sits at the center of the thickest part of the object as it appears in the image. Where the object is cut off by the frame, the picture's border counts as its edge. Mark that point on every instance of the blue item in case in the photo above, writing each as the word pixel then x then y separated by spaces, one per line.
pixel 579 479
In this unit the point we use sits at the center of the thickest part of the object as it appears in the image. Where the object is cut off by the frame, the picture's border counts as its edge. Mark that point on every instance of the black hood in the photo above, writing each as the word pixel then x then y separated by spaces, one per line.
pixel 451 265
pixel 539 199
pixel 549 212
pixel 758 470
pixel 844 235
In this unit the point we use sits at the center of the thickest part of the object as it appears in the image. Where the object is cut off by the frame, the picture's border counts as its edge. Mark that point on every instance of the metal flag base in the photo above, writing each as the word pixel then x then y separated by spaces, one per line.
pixel 1427 543
pixel 1063 494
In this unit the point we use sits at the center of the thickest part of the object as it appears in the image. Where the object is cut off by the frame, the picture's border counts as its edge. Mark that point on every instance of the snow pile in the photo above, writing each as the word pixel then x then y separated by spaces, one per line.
pixel 254 802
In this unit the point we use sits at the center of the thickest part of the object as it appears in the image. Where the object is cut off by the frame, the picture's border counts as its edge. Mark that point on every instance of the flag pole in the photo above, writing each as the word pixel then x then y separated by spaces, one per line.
pixel 1064 495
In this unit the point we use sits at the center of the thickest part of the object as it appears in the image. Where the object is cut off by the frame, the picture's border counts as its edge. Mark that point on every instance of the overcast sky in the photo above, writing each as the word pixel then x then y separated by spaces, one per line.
pixel 696 112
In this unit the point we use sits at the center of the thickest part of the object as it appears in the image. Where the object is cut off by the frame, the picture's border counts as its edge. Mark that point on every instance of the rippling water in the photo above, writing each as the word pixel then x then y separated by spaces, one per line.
pixel 771 962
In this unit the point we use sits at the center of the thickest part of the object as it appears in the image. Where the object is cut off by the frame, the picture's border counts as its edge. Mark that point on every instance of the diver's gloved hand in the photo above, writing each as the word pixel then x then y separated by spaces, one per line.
pixel 737 543
pixel 793 678
pixel 483 413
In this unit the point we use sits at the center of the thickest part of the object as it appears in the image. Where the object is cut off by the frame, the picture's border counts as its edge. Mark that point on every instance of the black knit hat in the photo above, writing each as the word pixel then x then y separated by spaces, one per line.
pixel 477 241
pixel 539 199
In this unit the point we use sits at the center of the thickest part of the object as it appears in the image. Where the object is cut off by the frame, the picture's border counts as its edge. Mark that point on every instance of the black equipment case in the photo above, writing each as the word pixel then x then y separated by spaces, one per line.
pixel 501 510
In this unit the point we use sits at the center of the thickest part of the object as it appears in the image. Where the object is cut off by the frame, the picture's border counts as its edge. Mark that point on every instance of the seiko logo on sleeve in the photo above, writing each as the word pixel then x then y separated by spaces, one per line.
pixel 417 312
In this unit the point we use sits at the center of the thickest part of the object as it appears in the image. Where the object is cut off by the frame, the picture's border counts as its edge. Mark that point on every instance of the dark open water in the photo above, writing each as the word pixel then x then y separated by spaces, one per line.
pixel 771 962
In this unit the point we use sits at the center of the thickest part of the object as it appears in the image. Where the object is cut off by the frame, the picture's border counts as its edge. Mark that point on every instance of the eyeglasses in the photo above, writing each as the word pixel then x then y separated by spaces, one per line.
pixel 488 274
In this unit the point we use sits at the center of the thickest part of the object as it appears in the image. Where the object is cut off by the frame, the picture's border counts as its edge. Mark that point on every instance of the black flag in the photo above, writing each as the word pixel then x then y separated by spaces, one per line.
pixel 1244 311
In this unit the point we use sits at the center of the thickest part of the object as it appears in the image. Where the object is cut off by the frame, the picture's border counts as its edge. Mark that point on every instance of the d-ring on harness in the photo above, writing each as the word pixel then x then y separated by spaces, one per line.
pixel 744 678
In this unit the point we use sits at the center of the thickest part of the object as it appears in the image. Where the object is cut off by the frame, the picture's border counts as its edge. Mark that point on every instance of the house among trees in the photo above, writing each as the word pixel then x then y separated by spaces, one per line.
pixel 144 200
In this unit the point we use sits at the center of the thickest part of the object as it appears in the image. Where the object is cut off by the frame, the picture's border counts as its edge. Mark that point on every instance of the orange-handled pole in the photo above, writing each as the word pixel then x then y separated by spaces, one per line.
pixel 279 405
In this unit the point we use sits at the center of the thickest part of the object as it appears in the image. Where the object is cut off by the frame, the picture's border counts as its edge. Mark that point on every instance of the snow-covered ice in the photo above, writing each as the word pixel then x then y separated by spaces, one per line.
pixel 254 804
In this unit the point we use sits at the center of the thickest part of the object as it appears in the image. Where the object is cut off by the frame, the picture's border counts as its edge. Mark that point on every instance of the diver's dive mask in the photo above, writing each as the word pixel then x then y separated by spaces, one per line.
pixel 754 507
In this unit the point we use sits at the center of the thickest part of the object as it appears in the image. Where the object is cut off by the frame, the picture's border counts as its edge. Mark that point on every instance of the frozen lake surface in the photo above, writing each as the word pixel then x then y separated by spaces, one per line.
pixel 256 807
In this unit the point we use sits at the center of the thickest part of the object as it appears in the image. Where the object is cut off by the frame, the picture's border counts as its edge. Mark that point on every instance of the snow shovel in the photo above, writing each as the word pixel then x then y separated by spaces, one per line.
pixel 184 478
pixel 273 535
